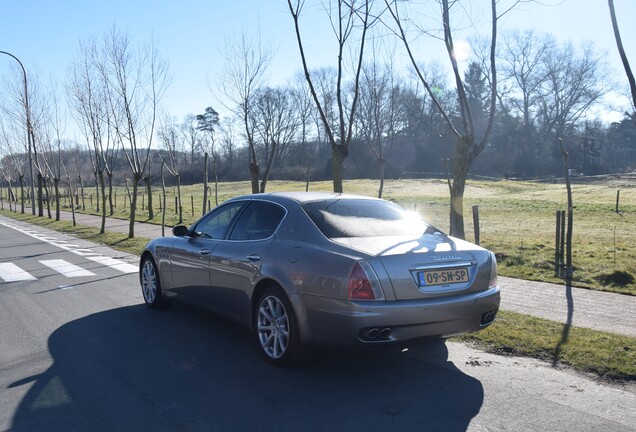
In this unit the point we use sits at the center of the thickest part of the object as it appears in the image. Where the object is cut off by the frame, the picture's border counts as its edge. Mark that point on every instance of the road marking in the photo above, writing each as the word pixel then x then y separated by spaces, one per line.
pixel 75 249
pixel 10 272
pixel 66 268
pixel 116 264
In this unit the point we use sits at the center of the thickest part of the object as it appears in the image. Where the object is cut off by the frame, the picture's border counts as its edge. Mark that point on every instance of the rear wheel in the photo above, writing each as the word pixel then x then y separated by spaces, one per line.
pixel 276 328
pixel 151 284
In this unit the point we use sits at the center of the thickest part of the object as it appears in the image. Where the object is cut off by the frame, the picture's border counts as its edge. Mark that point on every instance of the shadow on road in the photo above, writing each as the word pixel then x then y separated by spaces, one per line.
pixel 134 369
pixel 565 334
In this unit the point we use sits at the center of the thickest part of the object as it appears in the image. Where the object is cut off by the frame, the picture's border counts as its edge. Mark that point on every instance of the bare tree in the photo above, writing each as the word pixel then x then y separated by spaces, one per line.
pixel 276 122
pixel 575 80
pixel 191 135
pixel 88 93
pixel 245 65
pixel 136 82
pixel 348 19
pixel 378 109
pixel 53 148
pixel 227 139
pixel 467 145
pixel 171 137
pixel 523 75
pixel 304 107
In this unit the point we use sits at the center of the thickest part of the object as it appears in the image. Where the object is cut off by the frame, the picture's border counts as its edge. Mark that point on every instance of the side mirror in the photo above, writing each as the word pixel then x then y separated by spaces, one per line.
pixel 180 231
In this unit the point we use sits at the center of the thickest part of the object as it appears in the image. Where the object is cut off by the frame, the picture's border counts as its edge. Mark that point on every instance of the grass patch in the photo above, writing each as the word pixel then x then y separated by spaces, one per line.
pixel 607 355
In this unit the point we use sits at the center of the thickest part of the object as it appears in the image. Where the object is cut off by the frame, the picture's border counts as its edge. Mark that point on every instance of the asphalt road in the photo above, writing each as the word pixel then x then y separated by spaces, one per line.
pixel 80 352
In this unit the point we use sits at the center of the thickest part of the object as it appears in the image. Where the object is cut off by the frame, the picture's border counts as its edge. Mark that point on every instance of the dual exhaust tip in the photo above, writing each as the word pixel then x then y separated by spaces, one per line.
pixel 376 334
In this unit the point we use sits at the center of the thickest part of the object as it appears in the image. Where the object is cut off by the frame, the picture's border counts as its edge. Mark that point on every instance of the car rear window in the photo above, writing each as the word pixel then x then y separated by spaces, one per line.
pixel 344 217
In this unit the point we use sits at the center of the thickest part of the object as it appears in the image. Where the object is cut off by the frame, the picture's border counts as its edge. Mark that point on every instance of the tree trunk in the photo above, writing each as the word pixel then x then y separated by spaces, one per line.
pixel 133 205
pixel 205 182
pixel 21 180
pixel 179 199
pixel 151 212
pixel 102 184
pixel 96 174
pixel 56 187
pixel 110 192
pixel 461 166
pixel 381 189
pixel 163 207
pixel 337 165
pixel 216 180
pixel 270 164
pixel 47 198
pixel 307 173
pixel 40 204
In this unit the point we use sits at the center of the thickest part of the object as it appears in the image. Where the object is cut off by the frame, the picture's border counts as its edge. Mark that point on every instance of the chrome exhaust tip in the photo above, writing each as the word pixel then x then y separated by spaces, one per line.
pixel 373 333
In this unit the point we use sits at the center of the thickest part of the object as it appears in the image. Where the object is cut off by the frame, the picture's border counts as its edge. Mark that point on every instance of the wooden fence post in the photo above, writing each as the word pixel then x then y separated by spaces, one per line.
pixel 557 244
pixel 476 223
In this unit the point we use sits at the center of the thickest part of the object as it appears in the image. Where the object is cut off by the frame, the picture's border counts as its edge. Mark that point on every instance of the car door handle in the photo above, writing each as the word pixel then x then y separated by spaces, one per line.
pixel 254 258
pixel 204 251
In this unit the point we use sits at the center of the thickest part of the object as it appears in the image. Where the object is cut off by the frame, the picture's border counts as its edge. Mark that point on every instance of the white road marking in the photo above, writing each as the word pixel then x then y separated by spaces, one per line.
pixel 10 272
pixel 113 263
pixel 75 249
pixel 66 268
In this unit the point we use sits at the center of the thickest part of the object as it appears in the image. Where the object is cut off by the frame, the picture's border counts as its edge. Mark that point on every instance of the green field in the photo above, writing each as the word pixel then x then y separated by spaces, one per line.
pixel 517 220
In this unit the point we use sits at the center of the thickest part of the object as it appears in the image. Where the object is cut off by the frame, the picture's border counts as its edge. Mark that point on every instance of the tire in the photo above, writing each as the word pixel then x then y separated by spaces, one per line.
pixel 276 329
pixel 151 284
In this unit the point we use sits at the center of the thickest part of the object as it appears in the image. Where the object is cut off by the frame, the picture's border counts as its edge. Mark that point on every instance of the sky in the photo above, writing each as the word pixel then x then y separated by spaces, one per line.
pixel 45 35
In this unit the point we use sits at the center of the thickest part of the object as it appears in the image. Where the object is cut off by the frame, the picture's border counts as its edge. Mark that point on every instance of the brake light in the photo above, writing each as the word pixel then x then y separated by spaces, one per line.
pixel 363 283
pixel 493 271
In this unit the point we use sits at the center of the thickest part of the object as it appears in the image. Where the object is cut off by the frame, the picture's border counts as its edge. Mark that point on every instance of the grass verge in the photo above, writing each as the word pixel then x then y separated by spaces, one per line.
pixel 606 355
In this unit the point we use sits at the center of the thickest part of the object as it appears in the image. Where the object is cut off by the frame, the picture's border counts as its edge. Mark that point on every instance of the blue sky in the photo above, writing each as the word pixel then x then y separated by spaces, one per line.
pixel 45 35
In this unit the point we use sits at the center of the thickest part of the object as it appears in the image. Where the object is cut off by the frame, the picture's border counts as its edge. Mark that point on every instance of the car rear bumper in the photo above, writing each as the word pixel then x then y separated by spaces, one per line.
pixel 358 323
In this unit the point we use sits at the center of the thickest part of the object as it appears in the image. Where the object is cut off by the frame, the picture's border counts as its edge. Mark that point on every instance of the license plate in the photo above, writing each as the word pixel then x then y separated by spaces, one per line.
pixel 443 277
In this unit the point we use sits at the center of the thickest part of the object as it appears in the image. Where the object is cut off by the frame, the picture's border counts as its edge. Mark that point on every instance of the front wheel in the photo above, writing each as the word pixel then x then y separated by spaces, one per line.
pixel 276 329
pixel 151 284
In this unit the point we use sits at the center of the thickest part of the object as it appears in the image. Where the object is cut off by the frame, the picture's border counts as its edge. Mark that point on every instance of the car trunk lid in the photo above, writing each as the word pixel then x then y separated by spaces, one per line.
pixel 430 266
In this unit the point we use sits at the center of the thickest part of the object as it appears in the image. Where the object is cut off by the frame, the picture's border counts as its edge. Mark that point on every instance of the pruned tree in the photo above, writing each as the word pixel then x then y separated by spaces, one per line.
pixel 136 82
pixel 245 65
pixel 89 96
pixel 350 22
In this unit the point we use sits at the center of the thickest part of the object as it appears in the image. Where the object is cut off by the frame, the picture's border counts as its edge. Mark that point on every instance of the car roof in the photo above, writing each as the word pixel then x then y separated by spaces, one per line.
pixel 302 197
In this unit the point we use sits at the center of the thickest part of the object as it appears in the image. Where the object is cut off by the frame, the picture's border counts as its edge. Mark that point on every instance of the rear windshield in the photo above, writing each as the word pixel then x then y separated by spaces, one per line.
pixel 363 218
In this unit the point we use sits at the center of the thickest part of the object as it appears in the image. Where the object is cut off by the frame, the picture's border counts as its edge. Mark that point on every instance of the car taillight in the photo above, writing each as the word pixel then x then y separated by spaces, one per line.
pixel 493 271
pixel 363 283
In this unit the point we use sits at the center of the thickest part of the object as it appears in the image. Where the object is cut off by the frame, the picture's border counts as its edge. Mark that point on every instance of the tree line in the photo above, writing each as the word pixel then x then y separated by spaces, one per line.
pixel 366 116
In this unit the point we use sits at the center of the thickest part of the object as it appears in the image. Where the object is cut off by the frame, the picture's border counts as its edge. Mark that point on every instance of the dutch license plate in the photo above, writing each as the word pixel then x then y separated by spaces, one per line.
pixel 443 277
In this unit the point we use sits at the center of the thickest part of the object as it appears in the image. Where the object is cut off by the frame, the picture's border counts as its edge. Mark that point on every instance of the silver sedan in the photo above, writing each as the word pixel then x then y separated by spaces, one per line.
pixel 303 270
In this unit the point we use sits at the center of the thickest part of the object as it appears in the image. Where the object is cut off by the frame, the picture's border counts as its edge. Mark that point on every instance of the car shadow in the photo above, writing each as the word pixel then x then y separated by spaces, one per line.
pixel 135 369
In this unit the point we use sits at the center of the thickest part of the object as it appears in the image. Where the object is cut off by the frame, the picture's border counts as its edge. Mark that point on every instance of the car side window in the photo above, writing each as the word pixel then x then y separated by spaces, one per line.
pixel 259 221
pixel 216 224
